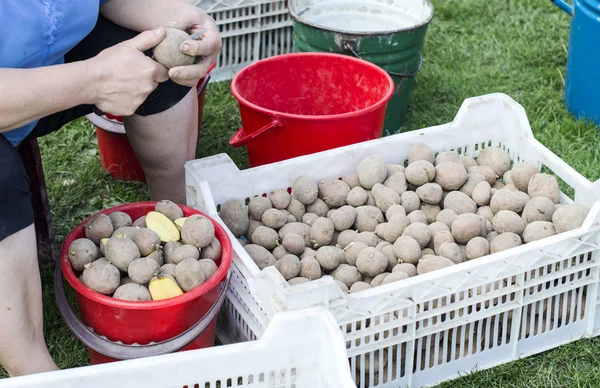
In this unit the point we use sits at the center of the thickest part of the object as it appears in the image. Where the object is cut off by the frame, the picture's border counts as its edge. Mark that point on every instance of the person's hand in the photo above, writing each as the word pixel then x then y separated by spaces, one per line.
pixel 208 46
pixel 124 76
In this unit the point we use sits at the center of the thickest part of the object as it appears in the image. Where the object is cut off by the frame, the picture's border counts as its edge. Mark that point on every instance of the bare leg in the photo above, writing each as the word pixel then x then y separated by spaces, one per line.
pixel 22 346
pixel 163 142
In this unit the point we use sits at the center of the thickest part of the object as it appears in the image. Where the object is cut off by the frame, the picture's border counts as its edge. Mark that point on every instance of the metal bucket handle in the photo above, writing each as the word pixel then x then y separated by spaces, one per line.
pixel 349 44
pixel 121 351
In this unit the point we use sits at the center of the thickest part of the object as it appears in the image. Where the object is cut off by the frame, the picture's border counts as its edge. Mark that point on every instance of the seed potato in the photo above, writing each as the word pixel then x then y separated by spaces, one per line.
pixel 569 217
pixel 544 185
pixel 507 221
pixel 371 170
pixel 407 268
pixel 343 218
pixel 351 180
pixel 81 252
pixel 189 274
pixel 419 232
pixel 367 218
pixel 371 262
pixel 538 230
pixel 98 227
pixel 397 182
pixel 477 247
pixel 433 263
pixel 450 175
pixel 430 193
pixel 410 201
pixel 333 192
pixel 384 197
pixel 420 172
pixel 496 158
pixel 487 171
pixel 357 197
pixel 318 207
pixel 447 217
pixel 120 219
pixel 258 206
pixel 417 216
pixel 420 151
pixel 407 249
pixel 330 257
pixel 262 257
pixel 460 203
pixel 169 209
pixel 266 237
pixel 305 189
pixel 289 266
pixel 234 214
pixel 521 174
pixel 505 241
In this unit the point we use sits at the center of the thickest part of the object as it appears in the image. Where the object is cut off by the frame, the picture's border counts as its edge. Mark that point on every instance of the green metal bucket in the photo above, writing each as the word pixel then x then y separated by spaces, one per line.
pixel 387 33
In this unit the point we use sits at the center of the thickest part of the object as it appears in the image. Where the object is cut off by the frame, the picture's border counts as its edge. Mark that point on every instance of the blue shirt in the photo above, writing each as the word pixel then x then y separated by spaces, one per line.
pixel 36 33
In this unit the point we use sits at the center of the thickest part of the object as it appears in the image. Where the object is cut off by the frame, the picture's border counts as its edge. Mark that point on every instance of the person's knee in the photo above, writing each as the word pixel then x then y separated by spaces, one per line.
pixel 165 96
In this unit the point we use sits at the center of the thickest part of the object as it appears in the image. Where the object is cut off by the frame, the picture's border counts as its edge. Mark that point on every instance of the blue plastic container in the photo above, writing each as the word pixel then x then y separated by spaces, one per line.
pixel 582 86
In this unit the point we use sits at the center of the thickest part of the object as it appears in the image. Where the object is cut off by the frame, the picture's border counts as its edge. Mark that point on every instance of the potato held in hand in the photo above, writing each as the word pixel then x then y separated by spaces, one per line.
pixel 167 52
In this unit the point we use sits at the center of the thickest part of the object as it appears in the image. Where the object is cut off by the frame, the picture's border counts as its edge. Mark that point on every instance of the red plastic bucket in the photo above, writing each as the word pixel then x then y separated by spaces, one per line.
pixel 116 155
pixel 115 329
pixel 301 103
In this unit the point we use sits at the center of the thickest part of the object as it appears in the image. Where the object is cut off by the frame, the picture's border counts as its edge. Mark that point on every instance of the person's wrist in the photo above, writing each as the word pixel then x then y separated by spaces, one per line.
pixel 92 79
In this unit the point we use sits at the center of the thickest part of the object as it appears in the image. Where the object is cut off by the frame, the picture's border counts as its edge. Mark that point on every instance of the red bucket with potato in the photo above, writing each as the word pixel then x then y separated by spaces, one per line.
pixel 140 325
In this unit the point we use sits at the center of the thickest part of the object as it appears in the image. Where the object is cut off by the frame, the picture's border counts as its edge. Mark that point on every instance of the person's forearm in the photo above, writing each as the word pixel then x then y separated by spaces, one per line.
pixel 140 15
pixel 30 94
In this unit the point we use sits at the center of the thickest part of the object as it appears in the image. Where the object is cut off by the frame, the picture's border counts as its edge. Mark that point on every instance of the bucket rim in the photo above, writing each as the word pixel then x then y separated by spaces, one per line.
pixel 299 19
pixel 272 113
pixel 209 285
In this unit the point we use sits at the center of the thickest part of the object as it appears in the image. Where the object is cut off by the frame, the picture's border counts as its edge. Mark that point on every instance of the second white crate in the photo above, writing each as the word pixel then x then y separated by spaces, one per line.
pixel 299 350
pixel 432 327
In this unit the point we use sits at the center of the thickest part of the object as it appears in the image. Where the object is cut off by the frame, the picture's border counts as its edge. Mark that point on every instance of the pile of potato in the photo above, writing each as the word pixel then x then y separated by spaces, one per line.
pixel 386 222
pixel 158 256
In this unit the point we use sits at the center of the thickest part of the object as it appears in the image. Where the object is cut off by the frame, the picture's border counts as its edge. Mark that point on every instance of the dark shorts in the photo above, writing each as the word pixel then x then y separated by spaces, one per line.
pixel 16 211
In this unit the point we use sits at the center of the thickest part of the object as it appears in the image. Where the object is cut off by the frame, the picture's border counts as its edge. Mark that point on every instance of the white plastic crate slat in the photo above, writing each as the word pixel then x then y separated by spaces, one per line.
pixel 298 350
pixel 485 302
pixel 251 30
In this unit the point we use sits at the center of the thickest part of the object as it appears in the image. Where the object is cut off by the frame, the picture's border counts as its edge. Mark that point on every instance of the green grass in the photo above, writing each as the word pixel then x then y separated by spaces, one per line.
pixel 473 47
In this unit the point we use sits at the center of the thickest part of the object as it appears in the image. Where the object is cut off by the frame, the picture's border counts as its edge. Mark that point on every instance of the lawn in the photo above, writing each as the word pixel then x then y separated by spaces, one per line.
pixel 473 47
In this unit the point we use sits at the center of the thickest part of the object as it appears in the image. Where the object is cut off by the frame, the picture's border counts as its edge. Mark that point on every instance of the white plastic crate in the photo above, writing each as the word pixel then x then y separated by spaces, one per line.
pixel 250 29
pixel 298 350
pixel 485 301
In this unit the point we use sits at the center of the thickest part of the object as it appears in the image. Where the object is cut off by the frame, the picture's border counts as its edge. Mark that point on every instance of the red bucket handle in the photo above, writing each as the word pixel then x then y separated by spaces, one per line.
pixel 121 351
pixel 241 138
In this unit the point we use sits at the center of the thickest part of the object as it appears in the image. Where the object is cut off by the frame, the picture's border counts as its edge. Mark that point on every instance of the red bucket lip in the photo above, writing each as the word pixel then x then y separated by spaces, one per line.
pixel 226 259
pixel 272 113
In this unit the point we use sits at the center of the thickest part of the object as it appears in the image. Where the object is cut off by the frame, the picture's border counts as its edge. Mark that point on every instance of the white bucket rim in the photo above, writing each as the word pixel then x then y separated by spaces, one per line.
pixel 106 124
pixel 297 16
